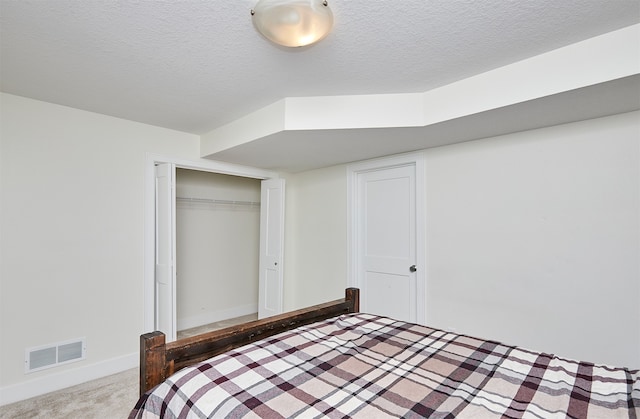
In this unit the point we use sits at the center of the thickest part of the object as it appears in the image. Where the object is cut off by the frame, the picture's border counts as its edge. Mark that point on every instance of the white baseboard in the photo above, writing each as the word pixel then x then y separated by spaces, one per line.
pixel 64 379
pixel 216 316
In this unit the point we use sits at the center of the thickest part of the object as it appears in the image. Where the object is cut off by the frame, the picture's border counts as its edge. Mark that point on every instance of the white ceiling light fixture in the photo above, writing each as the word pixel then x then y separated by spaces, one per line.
pixel 292 23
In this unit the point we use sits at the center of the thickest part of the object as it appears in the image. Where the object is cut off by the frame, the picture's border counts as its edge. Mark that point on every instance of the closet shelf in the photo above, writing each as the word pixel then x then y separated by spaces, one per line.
pixel 217 201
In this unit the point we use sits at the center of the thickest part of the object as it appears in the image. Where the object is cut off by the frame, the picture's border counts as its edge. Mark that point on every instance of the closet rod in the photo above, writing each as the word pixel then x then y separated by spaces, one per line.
pixel 217 201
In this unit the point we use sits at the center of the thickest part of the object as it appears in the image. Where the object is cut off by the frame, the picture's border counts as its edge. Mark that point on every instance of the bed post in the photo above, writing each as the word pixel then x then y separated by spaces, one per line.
pixel 352 295
pixel 152 360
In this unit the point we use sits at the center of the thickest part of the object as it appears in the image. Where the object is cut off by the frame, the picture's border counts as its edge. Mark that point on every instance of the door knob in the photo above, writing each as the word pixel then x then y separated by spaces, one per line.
pixel 413 268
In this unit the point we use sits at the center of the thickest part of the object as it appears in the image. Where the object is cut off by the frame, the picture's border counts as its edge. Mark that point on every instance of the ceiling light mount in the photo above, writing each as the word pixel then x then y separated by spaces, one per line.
pixel 292 23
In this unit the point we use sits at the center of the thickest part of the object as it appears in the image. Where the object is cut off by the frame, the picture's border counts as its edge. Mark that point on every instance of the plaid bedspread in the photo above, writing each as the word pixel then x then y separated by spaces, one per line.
pixel 365 366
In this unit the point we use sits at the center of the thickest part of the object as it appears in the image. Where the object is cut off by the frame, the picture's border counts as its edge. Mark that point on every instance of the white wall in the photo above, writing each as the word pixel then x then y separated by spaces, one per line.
pixel 217 248
pixel 315 237
pixel 532 238
pixel 72 208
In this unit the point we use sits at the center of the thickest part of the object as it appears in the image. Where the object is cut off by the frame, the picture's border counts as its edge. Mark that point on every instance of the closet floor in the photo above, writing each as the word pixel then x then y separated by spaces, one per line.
pixel 216 325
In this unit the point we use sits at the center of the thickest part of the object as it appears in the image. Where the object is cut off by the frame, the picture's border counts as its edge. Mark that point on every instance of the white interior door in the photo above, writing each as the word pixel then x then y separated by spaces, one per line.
pixel 165 255
pixel 270 289
pixel 386 242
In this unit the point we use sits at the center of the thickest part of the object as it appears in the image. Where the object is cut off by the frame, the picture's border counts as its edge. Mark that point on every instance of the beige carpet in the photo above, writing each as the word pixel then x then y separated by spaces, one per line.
pixel 106 398
pixel 110 397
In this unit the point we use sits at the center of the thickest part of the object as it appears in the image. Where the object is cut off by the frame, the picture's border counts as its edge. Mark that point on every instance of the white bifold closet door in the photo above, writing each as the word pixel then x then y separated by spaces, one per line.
pixel 165 268
pixel 271 246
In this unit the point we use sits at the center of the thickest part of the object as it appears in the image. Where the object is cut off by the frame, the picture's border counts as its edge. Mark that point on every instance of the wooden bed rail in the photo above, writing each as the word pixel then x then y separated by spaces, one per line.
pixel 158 359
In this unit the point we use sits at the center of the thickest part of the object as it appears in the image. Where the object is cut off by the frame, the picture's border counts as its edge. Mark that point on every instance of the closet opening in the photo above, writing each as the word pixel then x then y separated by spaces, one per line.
pixel 228 215
pixel 217 250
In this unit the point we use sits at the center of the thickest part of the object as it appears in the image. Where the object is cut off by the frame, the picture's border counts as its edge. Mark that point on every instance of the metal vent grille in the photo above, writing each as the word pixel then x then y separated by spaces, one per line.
pixel 54 354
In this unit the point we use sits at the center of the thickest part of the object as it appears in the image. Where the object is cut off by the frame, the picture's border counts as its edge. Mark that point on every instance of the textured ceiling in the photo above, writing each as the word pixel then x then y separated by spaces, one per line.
pixel 194 65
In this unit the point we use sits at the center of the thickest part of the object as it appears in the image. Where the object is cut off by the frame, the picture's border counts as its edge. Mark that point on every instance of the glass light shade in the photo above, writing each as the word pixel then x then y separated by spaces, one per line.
pixel 293 23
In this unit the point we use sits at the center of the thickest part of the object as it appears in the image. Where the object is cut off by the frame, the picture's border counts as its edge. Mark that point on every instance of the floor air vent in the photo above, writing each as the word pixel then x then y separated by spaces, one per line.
pixel 55 354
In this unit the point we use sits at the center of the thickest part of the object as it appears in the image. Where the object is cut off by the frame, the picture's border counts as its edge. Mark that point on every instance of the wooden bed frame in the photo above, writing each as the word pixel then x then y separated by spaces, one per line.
pixel 158 360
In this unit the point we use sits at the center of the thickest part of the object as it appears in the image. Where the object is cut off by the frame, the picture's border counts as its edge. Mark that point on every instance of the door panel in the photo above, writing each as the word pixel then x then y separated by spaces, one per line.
pixel 271 243
pixel 387 216
pixel 272 300
pixel 387 241
pixel 165 269
pixel 390 295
